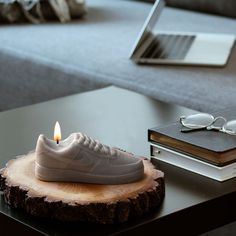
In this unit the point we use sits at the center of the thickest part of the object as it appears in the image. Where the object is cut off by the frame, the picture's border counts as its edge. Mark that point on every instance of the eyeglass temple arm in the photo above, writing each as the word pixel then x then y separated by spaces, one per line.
pixel 188 130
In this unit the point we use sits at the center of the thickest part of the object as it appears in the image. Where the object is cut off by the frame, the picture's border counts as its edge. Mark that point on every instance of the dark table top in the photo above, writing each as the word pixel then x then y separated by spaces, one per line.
pixel 193 203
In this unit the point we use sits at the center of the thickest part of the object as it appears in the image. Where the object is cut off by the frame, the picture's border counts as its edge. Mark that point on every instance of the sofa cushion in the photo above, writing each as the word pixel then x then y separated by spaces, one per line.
pixel 41 62
pixel 220 7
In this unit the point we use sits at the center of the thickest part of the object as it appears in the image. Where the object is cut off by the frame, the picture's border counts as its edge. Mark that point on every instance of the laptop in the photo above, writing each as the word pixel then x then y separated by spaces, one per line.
pixel 183 48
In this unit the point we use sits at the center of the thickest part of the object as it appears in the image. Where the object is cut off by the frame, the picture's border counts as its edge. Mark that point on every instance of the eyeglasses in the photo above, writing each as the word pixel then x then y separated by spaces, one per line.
pixel 204 121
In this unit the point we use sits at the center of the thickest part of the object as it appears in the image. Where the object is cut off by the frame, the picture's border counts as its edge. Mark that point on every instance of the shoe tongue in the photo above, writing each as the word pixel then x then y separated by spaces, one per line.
pixel 69 140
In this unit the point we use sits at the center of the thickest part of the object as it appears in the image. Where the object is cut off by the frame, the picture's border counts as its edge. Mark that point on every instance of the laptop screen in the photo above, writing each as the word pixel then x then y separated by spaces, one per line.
pixel 148 25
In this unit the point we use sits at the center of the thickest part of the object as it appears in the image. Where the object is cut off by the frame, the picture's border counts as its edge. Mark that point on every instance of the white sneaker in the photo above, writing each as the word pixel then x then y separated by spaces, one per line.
pixel 81 159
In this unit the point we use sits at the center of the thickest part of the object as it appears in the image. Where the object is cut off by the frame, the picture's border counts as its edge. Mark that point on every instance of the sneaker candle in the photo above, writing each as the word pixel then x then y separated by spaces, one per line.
pixel 80 158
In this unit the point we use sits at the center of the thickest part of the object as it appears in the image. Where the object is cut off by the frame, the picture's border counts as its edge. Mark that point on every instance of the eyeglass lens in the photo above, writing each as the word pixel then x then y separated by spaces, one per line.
pixel 199 120
pixel 229 127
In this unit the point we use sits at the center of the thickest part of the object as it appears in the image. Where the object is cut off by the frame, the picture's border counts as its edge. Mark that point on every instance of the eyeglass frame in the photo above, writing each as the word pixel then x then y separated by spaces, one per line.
pixel 208 127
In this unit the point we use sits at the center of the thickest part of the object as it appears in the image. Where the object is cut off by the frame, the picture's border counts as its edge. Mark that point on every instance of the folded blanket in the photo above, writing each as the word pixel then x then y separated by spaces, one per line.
pixel 37 11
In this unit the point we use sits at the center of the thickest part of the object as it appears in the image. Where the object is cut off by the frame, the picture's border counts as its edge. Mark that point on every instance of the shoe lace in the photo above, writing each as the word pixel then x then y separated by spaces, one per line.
pixel 27 4
pixel 96 146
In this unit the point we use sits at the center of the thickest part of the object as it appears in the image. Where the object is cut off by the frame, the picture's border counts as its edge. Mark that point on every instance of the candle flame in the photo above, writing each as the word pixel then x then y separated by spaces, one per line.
pixel 57 132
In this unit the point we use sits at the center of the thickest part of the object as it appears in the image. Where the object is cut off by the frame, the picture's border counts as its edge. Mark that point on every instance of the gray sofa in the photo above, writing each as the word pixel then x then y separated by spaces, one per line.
pixel 42 62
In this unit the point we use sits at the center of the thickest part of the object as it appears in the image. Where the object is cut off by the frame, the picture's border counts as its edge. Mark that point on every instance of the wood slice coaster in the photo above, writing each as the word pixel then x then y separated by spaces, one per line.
pixel 105 204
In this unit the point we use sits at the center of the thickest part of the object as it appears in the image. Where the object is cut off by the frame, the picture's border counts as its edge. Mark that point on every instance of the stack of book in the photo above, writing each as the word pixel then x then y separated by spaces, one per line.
pixel 209 153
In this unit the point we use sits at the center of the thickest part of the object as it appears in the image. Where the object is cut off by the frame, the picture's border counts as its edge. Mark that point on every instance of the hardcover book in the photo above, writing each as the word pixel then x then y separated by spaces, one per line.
pixel 214 147
pixel 192 164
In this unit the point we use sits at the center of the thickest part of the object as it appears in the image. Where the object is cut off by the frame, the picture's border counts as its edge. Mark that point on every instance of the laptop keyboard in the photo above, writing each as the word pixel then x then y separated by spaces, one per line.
pixel 169 46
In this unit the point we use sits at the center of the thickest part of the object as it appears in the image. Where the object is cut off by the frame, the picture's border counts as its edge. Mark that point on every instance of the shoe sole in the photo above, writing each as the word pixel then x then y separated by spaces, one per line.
pixel 65 175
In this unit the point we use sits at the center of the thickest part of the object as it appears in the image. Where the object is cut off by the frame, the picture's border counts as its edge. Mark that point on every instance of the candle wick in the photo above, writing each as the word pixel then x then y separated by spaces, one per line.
pixel 57 141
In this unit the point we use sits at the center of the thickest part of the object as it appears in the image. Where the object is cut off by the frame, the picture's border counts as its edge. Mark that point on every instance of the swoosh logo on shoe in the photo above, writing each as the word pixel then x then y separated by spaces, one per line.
pixel 81 160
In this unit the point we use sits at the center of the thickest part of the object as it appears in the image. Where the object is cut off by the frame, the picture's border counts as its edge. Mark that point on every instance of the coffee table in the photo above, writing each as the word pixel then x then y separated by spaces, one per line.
pixel 193 204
